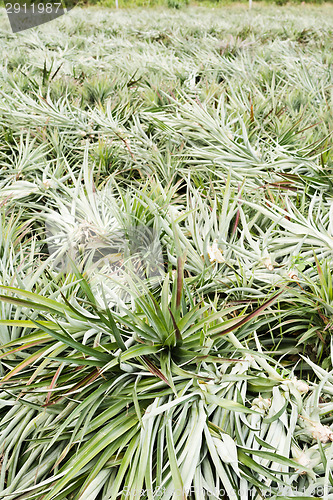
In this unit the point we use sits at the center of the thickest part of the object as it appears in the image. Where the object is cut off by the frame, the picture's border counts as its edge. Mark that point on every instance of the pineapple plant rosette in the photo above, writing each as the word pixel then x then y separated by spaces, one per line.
pixel 162 399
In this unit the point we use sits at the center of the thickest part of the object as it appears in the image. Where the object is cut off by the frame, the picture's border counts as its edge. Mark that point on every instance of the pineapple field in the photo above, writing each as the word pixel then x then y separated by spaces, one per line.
pixel 166 255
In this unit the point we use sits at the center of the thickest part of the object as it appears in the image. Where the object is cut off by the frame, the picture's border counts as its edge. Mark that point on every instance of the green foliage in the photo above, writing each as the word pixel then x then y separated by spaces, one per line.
pixel 211 129
pixel 177 4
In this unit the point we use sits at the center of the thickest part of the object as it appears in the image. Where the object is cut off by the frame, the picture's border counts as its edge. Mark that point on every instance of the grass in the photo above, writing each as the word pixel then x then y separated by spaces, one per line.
pixel 166 249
